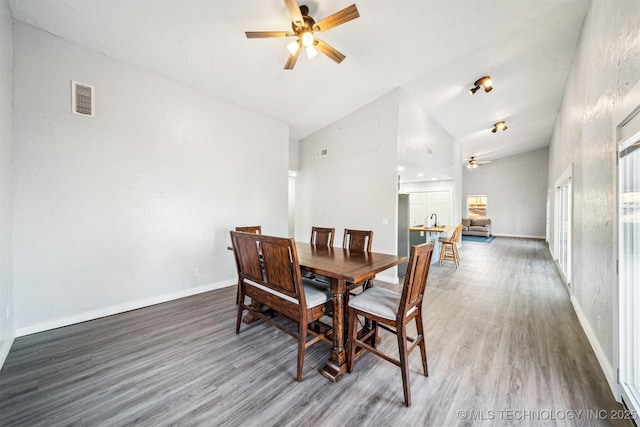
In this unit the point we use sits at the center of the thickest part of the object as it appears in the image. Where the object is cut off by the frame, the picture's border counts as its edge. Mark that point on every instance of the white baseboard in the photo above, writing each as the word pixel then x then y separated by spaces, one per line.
pixel 4 350
pixel 605 364
pixel 522 236
pixel 119 308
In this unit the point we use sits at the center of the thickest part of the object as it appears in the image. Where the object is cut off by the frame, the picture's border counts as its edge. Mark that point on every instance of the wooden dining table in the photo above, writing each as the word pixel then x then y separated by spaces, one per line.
pixel 344 269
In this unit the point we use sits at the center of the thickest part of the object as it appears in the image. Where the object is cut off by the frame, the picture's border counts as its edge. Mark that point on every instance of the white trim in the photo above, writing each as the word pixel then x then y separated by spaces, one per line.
pixel 6 347
pixel 119 308
pixel 522 236
pixel 605 364
pixel 630 398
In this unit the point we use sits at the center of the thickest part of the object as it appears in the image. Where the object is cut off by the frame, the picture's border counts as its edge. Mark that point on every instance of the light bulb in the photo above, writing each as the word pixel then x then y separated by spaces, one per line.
pixel 307 39
pixel 311 52
pixel 293 47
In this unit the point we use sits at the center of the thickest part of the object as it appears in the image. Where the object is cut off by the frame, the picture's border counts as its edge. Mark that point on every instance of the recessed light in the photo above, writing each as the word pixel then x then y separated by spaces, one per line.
pixel 400 168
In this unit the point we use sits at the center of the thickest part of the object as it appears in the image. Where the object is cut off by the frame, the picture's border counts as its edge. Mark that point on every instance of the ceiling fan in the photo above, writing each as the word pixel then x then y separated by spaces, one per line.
pixel 304 29
pixel 473 163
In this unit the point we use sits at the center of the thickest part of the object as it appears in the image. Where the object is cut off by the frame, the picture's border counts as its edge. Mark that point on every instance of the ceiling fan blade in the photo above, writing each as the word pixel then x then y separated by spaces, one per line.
pixel 329 51
pixel 294 11
pixel 291 61
pixel 268 34
pixel 345 15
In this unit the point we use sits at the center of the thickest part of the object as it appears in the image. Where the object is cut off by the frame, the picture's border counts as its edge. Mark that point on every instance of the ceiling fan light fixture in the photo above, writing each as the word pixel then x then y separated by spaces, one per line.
pixel 502 125
pixel 293 47
pixel 484 82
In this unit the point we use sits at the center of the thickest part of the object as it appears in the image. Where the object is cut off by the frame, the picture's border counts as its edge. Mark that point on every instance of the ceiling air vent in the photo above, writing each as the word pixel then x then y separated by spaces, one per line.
pixel 82 99
pixel 324 152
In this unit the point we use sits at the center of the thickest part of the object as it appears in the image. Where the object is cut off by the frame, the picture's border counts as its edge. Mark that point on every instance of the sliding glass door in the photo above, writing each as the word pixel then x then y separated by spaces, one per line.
pixel 562 226
pixel 629 270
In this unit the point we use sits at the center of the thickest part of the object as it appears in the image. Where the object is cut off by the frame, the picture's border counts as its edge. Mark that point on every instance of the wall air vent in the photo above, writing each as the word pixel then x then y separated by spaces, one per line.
pixel 82 99
pixel 323 152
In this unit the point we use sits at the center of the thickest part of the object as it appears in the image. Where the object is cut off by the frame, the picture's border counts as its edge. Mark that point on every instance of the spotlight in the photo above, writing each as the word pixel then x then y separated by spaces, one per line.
pixel 484 82
pixel 499 125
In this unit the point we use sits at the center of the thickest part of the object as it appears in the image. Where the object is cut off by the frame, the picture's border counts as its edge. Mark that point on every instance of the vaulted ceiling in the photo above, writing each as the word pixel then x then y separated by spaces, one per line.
pixel 432 49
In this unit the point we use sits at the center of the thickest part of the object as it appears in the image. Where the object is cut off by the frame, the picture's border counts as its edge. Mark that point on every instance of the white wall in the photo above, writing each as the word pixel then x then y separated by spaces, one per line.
pixel 606 67
pixel 6 183
pixel 516 188
pixel 426 144
pixel 119 210
pixel 355 186
pixel 423 142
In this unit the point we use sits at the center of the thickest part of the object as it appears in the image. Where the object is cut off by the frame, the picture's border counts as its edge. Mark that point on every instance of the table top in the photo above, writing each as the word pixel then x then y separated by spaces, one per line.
pixel 339 263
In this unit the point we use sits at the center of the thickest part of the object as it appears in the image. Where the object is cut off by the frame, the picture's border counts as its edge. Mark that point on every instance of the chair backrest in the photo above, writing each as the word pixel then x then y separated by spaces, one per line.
pixel 271 262
pixel 415 279
pixel 357 240
pixel 457 234
pixel 322 236
pixel 255 229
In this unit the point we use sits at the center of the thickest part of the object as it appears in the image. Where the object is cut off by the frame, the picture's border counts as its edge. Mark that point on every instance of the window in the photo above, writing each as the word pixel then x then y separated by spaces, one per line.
pixel 476 207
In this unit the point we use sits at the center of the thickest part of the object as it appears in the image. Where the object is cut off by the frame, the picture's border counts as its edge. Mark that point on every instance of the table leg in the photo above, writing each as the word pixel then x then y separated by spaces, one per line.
pixel 337 364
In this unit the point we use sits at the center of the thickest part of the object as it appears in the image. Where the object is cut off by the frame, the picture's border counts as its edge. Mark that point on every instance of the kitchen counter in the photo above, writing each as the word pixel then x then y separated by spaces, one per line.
pixel 421 234
pixel 438 229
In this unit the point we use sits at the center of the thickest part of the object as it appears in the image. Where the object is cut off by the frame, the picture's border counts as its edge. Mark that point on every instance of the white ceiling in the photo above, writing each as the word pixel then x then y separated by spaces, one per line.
pixel 433 49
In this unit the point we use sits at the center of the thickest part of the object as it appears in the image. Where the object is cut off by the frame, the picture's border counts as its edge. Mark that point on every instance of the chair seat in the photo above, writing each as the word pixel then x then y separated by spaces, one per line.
pixel 378 301
pixel 316 293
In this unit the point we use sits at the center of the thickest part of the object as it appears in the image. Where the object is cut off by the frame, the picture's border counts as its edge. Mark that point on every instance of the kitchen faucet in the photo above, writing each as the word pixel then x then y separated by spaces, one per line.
pixel 435 223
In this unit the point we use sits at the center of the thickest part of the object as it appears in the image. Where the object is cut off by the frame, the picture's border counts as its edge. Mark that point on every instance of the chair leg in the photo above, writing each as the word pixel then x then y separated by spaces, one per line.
pixel 302 341
pixel 404 364
pixel 443 250
pixel 456 254
pixel 239 317
pixel 421 343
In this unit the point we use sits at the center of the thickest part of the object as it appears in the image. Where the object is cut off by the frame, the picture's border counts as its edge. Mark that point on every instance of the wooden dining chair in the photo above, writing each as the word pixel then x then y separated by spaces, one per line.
pixel 269 273
pixel 357 240
pixel 256 229
pixel 322 236
pixel 393 311
pixel 449 249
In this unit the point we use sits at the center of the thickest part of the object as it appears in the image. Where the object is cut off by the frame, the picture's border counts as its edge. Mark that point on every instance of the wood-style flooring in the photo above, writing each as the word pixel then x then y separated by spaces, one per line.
pixel 504 347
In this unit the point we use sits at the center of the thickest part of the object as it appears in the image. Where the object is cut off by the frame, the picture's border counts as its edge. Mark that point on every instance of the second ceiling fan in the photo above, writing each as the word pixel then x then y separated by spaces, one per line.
pixel 473 163
pixel 304 29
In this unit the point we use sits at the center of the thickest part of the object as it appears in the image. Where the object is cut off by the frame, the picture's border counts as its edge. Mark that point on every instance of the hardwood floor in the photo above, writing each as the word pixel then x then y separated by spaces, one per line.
pixel 504 347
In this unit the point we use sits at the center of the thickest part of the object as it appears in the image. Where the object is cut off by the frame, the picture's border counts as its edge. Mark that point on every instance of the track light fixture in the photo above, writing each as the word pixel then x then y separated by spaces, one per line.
pixel 484 82
pixel 499 125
